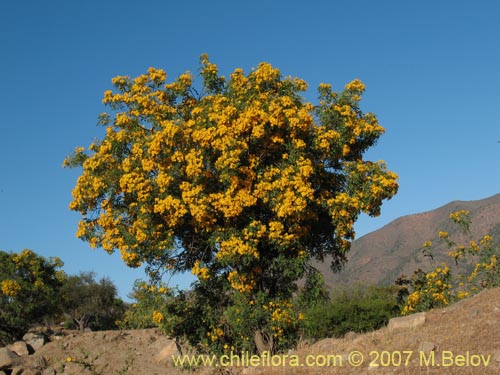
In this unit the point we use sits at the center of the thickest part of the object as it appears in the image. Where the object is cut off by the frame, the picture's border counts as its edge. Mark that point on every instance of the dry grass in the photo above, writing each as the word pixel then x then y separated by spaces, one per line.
pixel 472 325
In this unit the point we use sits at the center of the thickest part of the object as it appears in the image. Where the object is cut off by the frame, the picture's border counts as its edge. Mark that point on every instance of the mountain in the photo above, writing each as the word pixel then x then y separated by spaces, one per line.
pixel 382 256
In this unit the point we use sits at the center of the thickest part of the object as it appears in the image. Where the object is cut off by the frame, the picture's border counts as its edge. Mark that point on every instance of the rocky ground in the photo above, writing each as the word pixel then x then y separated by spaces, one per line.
pixel 461 339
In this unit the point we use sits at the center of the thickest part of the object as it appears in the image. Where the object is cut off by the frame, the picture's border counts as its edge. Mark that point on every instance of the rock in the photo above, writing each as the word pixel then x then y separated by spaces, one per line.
pixel 410 321
pixel 35 340
pixel 8 359
pixel 2 373
pixel 20 348
pixel 24 371
pixel 56 336
pixel 49 371
pixel 30 372
pixel 426 347
pixel 39 362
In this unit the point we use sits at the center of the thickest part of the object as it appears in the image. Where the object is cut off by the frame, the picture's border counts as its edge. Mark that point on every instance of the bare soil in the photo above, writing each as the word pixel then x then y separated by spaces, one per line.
pixel 457 336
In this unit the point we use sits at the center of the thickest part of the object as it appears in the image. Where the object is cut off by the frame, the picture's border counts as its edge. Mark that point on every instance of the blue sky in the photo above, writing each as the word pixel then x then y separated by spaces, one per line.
pixel 430 67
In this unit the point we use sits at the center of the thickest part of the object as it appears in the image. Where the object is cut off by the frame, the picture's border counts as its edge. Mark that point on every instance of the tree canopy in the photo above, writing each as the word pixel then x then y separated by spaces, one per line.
pixel 29 286
pixel 240 181
pixel 90 303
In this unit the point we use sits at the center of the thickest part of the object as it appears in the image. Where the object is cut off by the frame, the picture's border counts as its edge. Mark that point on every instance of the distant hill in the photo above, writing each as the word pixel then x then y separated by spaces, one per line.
pixel 395 249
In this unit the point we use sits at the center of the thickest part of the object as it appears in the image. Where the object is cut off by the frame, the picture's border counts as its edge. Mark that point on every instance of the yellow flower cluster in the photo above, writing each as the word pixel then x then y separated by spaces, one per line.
pixel 266 73
pixel 355 85
pixel 411 303
pixel 215 334
pixel 202 273
pixel 248 166
pixel 436 291
pixel 443 234
pixel 282 316
pixel 236 246
pixel 241 282
pixel 10 288
pixel 486 240
pixel 157 317
pixel 459 216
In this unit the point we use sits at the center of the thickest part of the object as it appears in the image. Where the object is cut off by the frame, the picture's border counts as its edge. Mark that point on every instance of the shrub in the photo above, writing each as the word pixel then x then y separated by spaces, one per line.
pixel 91 303
pixel 439 287
pixel 29 284
pixel 358 309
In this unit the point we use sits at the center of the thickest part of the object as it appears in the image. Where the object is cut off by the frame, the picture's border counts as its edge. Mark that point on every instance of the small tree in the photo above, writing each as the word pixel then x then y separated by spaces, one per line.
pixel 90 303
pixel 242 182
pixel 439 287
pixel 149 300
pixel 29 285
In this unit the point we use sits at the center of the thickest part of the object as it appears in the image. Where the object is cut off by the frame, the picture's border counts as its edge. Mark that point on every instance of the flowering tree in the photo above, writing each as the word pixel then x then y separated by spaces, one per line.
pixel 440 287
pixel 29 286
pixel 242 182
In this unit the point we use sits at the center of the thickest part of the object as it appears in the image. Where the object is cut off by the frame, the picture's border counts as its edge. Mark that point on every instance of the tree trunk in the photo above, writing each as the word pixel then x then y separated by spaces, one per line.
pixel 263 341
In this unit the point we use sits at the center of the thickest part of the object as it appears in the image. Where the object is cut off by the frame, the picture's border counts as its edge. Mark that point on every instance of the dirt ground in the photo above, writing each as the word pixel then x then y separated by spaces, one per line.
pixel 461 339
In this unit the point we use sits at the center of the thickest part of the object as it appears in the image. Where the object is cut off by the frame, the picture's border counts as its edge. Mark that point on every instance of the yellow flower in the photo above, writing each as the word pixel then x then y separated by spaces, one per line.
pixel 443 234
pixel 202 272
pixel 355 85
pixel 346 150
pixel 10 288
pixel 157 317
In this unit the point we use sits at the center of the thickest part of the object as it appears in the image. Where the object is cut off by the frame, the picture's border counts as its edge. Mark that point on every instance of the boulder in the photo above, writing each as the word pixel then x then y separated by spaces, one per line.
pixel 38 361
pixel 24 371
pixel 8 359
pixel 35 340
pixel 408 322
pixel 20 348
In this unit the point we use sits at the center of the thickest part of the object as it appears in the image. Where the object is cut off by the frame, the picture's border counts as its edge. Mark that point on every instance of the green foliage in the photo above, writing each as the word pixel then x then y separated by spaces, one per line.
pixel 358 309
pixel 29 286
pixel 147 300
pixel 91 303
pixel 314 290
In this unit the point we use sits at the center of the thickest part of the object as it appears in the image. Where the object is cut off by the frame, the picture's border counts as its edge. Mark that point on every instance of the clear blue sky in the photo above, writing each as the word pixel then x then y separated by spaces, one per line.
pixel 431 69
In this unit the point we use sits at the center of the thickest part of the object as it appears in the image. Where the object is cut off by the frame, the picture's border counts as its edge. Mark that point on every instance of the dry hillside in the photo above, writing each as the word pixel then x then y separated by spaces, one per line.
pixel 383 255
pixel 470 326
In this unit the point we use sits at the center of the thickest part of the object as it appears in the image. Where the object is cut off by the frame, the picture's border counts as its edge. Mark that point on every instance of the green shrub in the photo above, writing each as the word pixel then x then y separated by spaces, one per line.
pixel 358 309
pixel 29 284
pixel 148 299
pixel 90 303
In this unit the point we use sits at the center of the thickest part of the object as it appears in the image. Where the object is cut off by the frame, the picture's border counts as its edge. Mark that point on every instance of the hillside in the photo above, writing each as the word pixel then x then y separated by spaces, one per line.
pixel 468 328
pixel 383 255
